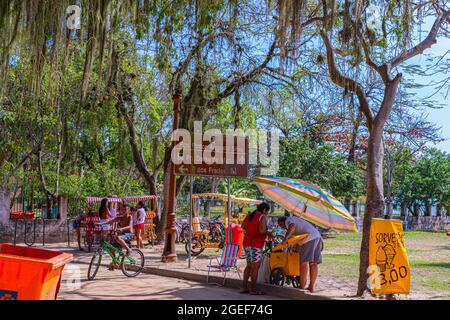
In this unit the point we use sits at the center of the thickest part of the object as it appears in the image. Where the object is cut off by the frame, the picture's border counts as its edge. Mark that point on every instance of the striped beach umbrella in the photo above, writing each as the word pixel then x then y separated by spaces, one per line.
pixel 323 209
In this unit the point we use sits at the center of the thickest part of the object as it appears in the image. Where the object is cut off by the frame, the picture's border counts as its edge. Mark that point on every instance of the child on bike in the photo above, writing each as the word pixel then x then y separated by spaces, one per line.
pixel 124 231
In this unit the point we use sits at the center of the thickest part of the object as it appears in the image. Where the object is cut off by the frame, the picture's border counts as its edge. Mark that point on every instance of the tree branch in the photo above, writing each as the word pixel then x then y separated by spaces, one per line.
pixel 346 82
pixel 382 71
pixel 42 175
pixel 429 41
pixel 229 90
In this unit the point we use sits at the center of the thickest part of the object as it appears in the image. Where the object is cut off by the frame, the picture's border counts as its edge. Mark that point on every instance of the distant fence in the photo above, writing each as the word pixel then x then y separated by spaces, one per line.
pixel 421 223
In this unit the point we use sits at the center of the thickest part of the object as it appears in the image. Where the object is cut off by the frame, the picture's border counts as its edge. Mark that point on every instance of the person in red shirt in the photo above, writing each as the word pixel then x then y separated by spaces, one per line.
pixel 255 232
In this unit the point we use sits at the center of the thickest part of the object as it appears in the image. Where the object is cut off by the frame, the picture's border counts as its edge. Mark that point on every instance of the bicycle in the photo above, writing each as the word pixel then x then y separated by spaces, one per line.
pixel 182 232
pixel 216 230
pixel 131 264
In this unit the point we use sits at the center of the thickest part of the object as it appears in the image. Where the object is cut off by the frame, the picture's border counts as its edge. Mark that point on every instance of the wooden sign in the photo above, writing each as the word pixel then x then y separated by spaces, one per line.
pixel 389 270
pixel 221 160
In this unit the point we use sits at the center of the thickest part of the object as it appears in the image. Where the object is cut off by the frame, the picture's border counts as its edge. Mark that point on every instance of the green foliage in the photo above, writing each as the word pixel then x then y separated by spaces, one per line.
pixel 317 162
pixel 101 182
pixel 426 181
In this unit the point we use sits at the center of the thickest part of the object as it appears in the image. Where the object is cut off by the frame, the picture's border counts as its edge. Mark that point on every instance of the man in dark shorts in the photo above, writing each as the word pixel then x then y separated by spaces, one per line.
pixel 76 224
pixel 310 251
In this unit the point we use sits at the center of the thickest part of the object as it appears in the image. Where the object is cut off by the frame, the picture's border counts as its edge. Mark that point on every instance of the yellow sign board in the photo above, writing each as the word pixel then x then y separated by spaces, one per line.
pixel 389 270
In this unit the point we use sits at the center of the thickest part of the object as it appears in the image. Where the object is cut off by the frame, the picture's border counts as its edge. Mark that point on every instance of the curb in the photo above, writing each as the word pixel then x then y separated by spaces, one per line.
pixel 281 292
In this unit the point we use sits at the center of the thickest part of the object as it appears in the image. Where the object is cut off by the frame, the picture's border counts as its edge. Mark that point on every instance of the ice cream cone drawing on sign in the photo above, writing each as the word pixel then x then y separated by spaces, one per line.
pixel 381 259
pixel 390 254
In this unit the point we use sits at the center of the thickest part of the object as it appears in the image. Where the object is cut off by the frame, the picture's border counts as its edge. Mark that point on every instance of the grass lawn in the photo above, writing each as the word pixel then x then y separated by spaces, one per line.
pixel 428 253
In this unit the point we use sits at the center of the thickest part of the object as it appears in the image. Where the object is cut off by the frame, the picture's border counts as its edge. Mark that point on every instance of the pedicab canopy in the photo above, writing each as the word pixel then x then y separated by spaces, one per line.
pixel 124 199
pixel 224 198
pixel 99 199
pixel 323 209
pixel 139 198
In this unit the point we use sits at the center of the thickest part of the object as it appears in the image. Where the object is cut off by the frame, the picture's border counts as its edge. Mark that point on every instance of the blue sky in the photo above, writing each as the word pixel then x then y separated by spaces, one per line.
pixel 441 117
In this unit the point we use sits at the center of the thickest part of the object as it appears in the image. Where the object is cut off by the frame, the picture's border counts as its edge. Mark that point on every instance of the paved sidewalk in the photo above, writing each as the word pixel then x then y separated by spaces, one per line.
pixel 195 277
pixel 197 272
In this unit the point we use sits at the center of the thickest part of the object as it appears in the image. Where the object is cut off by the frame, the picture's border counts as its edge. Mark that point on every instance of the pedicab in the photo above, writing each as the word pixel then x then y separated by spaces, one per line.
pixel 202 237
pixel 245 203
pixel 284 262
pixel 149 234
pixel 92 231
pixel 214 236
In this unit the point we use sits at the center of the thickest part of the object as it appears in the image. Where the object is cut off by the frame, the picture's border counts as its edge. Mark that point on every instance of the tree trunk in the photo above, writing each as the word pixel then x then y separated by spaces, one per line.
pixel 180 182
pixel 375 186
pixel 416 210
pixel 163 220
pixel 347 204
pixel 5 205
pixel 355 209
pixel 428 210
pixel 439 208
pixel 374 202
pixel 389 207
pixel 403 209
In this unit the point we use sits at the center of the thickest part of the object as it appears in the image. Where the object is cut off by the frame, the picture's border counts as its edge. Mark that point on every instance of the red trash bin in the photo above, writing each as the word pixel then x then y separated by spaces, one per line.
pixel 30 274
pixel 237 236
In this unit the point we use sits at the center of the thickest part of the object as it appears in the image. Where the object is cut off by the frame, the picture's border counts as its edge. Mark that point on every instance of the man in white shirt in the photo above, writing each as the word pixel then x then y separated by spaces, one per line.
pixel 310 251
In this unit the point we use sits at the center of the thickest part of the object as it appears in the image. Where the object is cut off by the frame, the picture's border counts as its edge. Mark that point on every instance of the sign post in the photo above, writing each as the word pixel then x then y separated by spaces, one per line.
pixel 191 214
pixel 389 268
pixel 229 210
pixel 233 163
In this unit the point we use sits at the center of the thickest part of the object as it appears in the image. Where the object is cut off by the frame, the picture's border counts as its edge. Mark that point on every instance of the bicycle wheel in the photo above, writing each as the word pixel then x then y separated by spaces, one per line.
pixel 277 277
pixel 33 226
pixel 132 264
pixel 197 247
pixel 95 264
pixel 296 282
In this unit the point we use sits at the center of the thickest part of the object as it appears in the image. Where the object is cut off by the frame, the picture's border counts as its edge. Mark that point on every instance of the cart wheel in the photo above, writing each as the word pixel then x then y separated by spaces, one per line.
pixel 277 277
pixel 197 247
pixel 296 282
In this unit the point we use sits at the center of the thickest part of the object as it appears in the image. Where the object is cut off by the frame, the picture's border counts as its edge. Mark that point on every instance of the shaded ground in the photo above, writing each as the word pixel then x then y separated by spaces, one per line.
pixel 114 285
pixel 428 253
